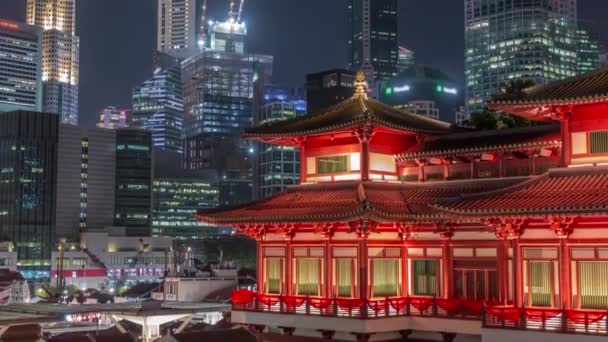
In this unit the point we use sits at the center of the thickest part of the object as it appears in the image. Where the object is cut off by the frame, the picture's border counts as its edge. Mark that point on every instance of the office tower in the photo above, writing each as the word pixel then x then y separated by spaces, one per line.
pixel 179 27
pixel 588 49
pixel 223 86
pixel 511 39
pixel 114 118
pixel 158 106
pixel 374 44
pixel 422 90
pixel 407 59
pixel 134 174
pixel 277 166
pixel 327 88
pixel 28 187
pixel 60 55
pixel 86 176
pixel 20 67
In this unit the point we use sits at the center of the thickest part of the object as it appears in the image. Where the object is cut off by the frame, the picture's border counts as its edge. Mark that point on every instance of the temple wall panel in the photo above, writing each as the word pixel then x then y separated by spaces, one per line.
pixel 589 233
pixel 489 236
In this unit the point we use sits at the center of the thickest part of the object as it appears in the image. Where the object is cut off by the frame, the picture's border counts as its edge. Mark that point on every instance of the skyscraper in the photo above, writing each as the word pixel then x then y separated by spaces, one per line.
pixel 60 55
pixel 588 49
pixel 20 67
pixel 278 166
pixel 407 59
pixel 28 185
pixel 514 39
pixel 328 88
pixel 134 175
pixel 112 118
pixel 374 44
pixel 86 176
pixel 158 105
pixel 179 27
pixel 223 86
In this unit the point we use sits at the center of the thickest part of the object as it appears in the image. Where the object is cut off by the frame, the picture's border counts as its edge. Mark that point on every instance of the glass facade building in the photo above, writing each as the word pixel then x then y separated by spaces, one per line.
pixel 157 104
pixel 60 55
pixel 28 187
pixel 327 88
pixel 20 67
pixel 134 175
pixel 515 39
pixel 176 201
pixel 374 42
pixel 588 49
pixel 278 166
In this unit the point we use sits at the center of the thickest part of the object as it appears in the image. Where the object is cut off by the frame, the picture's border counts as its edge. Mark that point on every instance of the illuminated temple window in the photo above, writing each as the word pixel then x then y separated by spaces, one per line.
pixel 598 142
pixel 273 275
pixel 382 162
pixel 540 283
pixel 308 283
pixel 385 277
pixel 344 277
pixel 593 284
pixel 425 277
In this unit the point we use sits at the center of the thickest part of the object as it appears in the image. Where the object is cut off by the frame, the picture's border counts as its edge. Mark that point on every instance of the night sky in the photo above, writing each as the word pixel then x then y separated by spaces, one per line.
pixel 118 38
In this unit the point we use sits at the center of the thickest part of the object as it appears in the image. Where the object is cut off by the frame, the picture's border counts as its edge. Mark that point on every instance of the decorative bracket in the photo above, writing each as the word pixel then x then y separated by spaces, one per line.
pixel 507 228
pixel 288 230
pixel 326 229
pixel 404 230
pixel 445 229
pixel 363 227
pixel 562 225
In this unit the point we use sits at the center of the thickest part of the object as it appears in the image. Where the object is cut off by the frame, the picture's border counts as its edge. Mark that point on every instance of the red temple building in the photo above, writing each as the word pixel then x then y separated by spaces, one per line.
pixel 404 226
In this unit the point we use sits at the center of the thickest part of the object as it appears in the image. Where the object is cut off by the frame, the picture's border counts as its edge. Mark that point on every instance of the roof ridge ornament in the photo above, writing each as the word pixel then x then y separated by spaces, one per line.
pixel 360 85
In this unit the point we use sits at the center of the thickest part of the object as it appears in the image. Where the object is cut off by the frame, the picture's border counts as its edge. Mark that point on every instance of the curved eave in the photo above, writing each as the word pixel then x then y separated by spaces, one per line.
pixel 519 212
pixel 520 107
pixel 461 151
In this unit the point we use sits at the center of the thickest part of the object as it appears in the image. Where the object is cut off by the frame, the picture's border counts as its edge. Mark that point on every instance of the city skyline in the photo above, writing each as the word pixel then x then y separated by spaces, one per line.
pixel 123 51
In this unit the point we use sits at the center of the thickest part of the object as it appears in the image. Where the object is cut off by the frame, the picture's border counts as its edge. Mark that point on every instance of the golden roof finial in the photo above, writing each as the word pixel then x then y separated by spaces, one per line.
pixel 360 84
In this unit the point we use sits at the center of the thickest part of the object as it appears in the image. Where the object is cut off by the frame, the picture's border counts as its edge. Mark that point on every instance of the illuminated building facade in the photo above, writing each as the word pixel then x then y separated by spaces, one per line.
pixel 424 91
pixel 134 179
pixel 20 67
pixel 407 59
pixel 278 166
pixel 588 49
pixel 373 43
pixel 114 118
pixel 327 88
pixel 86 170
pixel 158 106
pixel 179 27
pixel 506 40
pixel 176 201
pixel 60 55
pixel 403 226
pixel 28 186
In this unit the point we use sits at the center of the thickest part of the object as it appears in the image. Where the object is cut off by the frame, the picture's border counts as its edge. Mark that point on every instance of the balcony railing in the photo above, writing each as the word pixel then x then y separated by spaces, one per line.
pixel 491 314
pixel 550 320
pixel 357 308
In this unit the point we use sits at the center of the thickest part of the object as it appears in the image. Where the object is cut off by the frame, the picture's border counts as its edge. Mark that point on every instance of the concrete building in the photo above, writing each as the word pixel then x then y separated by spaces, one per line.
pixel 374 43
pixel 327 88
pixel 20 67
pixel 179 27
pixel 60 55
pixel 502 43
pixel 28 187
pixel 13 288
pixel 134 175
pixel 8 256
pixel 105 258
pixel 114 118
pixel 86 176
pixel 277 167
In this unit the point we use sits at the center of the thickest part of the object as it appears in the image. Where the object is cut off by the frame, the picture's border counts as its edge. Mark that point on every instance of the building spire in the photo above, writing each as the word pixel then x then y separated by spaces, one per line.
pixel 360 85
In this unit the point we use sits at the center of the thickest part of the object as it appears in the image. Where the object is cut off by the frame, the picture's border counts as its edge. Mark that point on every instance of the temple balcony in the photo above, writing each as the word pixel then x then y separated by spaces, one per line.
pixel 387 318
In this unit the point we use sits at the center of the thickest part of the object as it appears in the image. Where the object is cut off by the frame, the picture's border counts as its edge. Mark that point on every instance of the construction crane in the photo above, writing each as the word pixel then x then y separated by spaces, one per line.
pixel 233 14
pixel 238 19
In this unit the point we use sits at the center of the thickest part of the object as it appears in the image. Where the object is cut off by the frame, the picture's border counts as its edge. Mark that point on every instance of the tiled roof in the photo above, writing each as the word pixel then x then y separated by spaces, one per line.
pixel 349 113
pixel 486 141
pixel 344 201
pixel 587 88
pixel 560 191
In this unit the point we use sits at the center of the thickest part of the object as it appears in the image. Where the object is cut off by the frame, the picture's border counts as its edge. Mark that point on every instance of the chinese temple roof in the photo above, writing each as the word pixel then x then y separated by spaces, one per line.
pixel 351 200
pixel 349 114
pixel 517 139
pixel 584 89
pixel 560 191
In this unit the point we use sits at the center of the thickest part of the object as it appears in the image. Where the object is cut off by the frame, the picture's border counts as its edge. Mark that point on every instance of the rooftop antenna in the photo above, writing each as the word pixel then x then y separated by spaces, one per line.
pixel 203 28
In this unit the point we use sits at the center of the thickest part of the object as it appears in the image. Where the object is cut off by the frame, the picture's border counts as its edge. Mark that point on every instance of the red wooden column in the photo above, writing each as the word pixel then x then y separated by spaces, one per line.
pixel 447 269
pixel 503 271
pixel 260 267
pixel 566 139
pixel 517 274
pixel 328 270
pixel 364 134
pixel 363 271
pixel 289 269
pixel 302 146
pixel 564 274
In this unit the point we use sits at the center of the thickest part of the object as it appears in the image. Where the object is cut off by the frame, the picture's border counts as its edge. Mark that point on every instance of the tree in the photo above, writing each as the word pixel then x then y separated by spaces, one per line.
pixel 490 119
